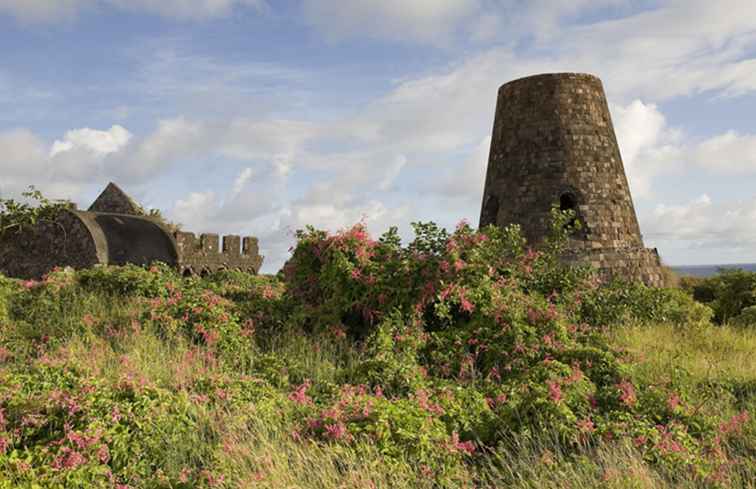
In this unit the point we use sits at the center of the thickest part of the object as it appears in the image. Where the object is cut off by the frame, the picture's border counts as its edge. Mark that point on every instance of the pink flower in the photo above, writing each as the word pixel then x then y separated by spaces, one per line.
pixel 555 391
pixel 103 454
pixel 466 305
pixel 627 393
pixel 300 396
pixel 494 373
pixel 586 426
pixel 734 424
pixel 461 446
pixel 673 401
pixel 336 431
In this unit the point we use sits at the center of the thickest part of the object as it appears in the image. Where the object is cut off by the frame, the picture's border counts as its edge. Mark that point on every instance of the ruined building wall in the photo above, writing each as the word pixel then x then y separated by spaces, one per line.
pixel 65 242
pixel 203 255
pixel 115 231
pixel 553 142
pixel 122 239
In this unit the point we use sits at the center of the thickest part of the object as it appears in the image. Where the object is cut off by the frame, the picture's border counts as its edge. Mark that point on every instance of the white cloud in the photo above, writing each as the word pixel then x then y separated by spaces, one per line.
pixel 726 226
pixel 647 144
pixel 50 11
pixel 466 181
pixel 43 10
pixel 188 9
pixel 98 142
pixel 196 210
pixel 730 153
pixel 424 20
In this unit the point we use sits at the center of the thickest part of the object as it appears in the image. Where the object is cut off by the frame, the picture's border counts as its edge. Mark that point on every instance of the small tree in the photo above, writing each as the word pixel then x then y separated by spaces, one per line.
pixel 15 216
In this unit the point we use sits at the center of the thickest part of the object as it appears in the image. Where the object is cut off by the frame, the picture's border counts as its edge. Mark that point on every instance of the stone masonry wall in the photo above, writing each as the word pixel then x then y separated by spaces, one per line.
pixel 553 143
pixel 201 256
pixel 35 251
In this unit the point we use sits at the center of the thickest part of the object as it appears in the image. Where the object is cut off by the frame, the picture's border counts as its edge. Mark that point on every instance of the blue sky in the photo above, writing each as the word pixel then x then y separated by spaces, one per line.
pixel 262 116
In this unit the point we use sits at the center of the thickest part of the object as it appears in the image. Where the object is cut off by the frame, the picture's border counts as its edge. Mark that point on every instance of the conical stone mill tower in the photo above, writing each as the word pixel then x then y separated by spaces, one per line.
pixel 553 143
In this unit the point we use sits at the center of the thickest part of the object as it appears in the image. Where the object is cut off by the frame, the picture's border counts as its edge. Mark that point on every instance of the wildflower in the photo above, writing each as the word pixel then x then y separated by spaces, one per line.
pixel 29 284
pixel 586 426
pixel 466 305
pixel 461 446
pixel 103 454
pixel 734 424
pixel 673 401
pixel 338 331
pixel 494 374
pixel 555 391
pixel 336 431
pixel 640 440
pixel 299 395
pixel 627 393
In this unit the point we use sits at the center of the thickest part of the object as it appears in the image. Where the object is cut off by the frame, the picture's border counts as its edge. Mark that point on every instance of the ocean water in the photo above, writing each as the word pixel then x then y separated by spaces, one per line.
pixel 709 270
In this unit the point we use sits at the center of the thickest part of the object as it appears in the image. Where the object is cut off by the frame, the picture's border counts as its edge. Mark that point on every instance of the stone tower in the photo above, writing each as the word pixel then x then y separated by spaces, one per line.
pixel 553 143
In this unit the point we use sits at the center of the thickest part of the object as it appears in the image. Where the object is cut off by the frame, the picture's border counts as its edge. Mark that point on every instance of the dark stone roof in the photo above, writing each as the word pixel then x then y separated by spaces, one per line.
pixel 115 200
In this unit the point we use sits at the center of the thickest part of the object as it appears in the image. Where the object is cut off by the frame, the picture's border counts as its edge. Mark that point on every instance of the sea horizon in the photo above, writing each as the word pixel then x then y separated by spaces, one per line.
pixel 709 270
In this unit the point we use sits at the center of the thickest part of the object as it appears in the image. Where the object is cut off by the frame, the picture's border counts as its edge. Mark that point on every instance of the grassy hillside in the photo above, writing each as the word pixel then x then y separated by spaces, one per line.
pixel 460 360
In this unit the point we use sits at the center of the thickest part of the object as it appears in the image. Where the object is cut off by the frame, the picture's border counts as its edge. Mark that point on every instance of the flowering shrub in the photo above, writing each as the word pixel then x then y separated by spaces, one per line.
pixel 128 280
pixel 58 429
pixel 201 316
pixel 509 325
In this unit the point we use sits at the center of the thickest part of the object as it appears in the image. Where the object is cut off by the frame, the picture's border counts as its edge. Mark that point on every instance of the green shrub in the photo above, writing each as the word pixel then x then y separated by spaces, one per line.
pixel 619 301
pixel 128 280
pixel 747 317
pixel 728 293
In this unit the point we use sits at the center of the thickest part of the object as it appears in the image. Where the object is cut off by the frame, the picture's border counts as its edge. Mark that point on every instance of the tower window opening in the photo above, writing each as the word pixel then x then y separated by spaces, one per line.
pixel 568 202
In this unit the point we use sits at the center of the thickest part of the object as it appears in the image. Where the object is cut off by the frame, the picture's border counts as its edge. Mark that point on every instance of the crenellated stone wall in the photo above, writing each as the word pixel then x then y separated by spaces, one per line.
pixel 203 255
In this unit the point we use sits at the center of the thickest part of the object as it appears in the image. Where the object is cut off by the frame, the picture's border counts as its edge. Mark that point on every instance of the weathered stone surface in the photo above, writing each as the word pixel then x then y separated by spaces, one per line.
pixel 31 253
pixel 553 142
pixel 83 239
pixel 201 256
pixel 116 201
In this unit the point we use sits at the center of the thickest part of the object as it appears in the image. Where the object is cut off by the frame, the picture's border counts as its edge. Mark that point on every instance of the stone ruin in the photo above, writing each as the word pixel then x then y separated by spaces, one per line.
pixel 553 143
pixel 115 231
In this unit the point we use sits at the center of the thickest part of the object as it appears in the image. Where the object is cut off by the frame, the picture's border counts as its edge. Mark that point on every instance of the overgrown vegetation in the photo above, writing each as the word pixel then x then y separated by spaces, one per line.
pixel 35 207
pixel 460 360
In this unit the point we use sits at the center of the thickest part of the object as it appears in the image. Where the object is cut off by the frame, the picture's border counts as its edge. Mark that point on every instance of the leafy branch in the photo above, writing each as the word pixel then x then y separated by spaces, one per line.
pixel 16 216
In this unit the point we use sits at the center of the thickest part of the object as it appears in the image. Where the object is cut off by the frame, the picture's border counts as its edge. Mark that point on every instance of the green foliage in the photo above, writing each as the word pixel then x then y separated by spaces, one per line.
pixel 728 293
pixel 422 362
pixel 15 216
pixel 618 302
pixel 128 280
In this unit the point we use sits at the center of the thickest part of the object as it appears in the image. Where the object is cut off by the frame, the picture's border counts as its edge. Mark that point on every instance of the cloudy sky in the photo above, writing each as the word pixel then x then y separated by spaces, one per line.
pixel 262 116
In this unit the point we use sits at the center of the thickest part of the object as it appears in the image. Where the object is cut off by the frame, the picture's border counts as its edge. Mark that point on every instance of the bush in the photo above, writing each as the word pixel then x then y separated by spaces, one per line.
pixel 619 301
pixel 481 311
pixel 728 293
pixel 128 280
